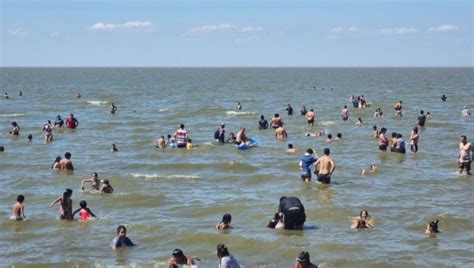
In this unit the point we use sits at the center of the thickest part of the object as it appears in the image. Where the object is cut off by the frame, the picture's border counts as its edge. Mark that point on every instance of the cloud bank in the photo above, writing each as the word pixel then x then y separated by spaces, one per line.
pixel 130 25
pixel 396 31
pixel 444 28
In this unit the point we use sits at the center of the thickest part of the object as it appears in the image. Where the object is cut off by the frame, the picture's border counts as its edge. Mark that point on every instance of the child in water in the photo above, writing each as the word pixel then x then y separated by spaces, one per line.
pixel 432 227
pixel 189 144
pixel 363 221
pixel 106 188
pixel 372 169
pixel 84 211
pixel 225 223
pixel 276 222
pixel 121 240
pixel 18 209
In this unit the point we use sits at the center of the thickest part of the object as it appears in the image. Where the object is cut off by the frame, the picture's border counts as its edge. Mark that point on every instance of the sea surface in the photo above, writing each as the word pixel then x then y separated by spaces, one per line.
pixel 173 198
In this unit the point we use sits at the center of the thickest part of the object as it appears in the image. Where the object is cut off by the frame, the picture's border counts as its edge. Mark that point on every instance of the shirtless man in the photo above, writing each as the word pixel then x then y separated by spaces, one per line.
pixel 240 136
pixel 280 133
pixel 18 209
pixel 398 108
pixel 71 122
pixel 345 114
pixel 160 142
pixel 276 121
pixel 465 156
pixel 310 117
pixel 66 163
pixel 326 167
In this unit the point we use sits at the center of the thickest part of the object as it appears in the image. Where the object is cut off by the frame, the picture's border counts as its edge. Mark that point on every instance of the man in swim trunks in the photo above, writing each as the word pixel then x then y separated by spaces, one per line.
pixel 71 122
pixel 181 136
pixel 66 163
pixel 293 213
pixel 398 108
pixel 59 122
pixel 280 133
pixel 326 167
pixel 465 155
pixel 240 137
pixel 305 164
pixel 310 117
pixel 345 114
pixel 276 121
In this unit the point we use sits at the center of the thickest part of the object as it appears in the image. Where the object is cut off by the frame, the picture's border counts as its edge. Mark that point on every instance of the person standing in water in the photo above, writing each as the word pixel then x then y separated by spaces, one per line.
pixel 71 122
pixel 121 240
pixel 238 107
pixel 66 163
pixel 280 133
pixel 398 109
pixel 345 114
pixel 289 109
pixel 306 163
pixel 303 261
pixel 113 108
pixel 421 119
pixel 18 209
pixel 326 167
pixel 181 136
pixel 414 140
pixel 65 207
pixel 293 211
pixel 310 117
pixel 226 260
pixel 263 123
pixel 465 155
pixel 276 121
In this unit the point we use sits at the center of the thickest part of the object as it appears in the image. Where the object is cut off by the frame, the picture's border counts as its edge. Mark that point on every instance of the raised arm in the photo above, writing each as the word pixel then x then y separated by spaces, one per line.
pixel 59 198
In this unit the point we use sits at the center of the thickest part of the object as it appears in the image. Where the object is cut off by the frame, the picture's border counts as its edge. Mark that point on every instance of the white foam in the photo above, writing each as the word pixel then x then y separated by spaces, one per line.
pixel 163 110
pixel 236 113
pixel 327 123
pixel 158 176
pixel 11 115
pixel 97 103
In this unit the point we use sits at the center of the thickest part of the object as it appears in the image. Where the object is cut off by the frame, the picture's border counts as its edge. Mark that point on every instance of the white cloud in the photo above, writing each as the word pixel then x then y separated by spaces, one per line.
pixel 130 25
pixel 251 29
pixel 18 32
pixel 345 30
pixel 444 28
pixel 213 28
pixel 396 31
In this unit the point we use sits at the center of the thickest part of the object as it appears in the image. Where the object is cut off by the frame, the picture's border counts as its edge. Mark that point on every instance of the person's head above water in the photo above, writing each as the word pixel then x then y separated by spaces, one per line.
pixel 290 146
pixel 67 155
pixel 309 151
pixel 181 126
pixel 303 257
pixel 222 250
pixel 262 117
pixel 227 218
pixel 83 204
pixel 327 151
pixel 433 227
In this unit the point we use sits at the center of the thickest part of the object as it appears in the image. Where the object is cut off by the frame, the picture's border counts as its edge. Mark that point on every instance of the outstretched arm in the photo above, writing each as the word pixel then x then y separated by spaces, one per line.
pixel 59 198
pixel 92 214
pixel 75 212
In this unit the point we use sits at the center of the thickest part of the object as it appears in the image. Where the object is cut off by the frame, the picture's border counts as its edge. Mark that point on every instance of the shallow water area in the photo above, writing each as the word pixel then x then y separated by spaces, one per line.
pixel 173 198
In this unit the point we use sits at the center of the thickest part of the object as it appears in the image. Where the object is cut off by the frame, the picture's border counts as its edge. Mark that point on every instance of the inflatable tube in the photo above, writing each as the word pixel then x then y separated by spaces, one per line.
pixel 243 146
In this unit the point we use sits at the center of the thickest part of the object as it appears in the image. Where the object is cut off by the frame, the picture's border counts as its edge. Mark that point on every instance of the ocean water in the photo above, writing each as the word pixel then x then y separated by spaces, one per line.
pixel 173 198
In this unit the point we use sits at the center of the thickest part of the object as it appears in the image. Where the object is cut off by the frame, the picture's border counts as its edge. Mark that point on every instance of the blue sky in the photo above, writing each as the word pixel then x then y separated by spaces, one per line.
pixel 236 33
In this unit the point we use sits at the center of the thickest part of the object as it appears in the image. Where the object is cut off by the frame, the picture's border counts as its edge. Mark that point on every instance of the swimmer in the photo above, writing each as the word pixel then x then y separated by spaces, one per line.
pixel 289 109
pixel 84 211
pixel 383 141
pixel 303 111
pixel 465 155
pixel 55 165
pixel 465 111
pixel 414 140
pixel 310 117
pixel 421 119
pixel 428 115
pixel 58 123
pixel 303 261
pixel 226 260
pixel 66 163
pixel 280 133
pixel 432 228
pixel 29 138
pixel 114 149
pixel 291 149
pixel 276 222
pixel 345 114
pixel 225 222
pixel 106 188
pixel 372 169
pixel 238 107
pixel 189 144
pixel 160 142
pixel 240 136
pixel 171 141
pixel 398 109
pixel 94 180
pixel 18 209
pixel 393 142
pixel 181 136
pixel 338 136
pixel 375 132
pixel 178 258
pixel 219 134
pixel 48 136
pixel 326 167
pixel 15 129
pixel 231 138
pixel 363 221
pixel 20 94
pixel 400 147
pixel 71 122
pixel 65 207
pixel 121 240
pixel 359 122
pixel 6 95
pixel 307 160
pixel 263 123
pixel 443 98
pixel 113 108
pixel 276 121
pixel 329 138
pixel 78 94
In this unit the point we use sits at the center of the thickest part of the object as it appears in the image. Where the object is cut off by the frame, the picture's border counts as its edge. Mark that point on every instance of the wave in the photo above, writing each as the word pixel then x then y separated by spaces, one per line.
pixel 236 113
pixel 97 103
pixel 158 176
pixel 327 123
pixel 164 110
pixel 10 115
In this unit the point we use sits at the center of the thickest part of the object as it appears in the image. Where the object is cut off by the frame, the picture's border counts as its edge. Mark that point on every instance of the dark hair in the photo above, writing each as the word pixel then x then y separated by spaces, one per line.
pixel 20 198
pixel 399 135
pixel 290 146
pixel 276 115
pixel 361 224
pixel 121 227
pixel 177 253
pixel 303 257
pixel 383 130
pixel 415 129
pixel 67 155
pixel 181 126
pixel 30 137
pixel 2 148
pixel 434 226
pixel 106 181
pixel 58 158
pixel 83 204
pixel 394 134
pixel 339 135
pixel 222 250
pixel 422 112
pixel 360 214
pixel 329 136
pixel 227 218
pixel 326 151
pixel 66 195
pixel 14 124
pixel 261 117
pixel 310 151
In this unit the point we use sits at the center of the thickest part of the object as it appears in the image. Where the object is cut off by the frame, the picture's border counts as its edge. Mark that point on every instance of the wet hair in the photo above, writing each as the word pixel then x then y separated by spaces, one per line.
pixel 327 151
pixel 329 136
pixel 14 124
pixel 463 137
pixel 276 115
pixel 66 195
pixel 339 135
pixel 2 148
pixel 422 112
pixel 121 227
pixel 189 140
pixel 227 218
pixel 383 130
pixel 303 257
pixel 177 253
pixel 20 198
pixel 106 181
pixel 261 117
pixel 415 129
pixel 399 135
pixel 58 158
pixel 345 106
pixel 67 155
pixel 434 226
pixel 310 151
pixel 394 134
pixel 181 126
pixel 30 137
pixel 83 204
pixel 290 146
pixel 222 250
pixel 362 211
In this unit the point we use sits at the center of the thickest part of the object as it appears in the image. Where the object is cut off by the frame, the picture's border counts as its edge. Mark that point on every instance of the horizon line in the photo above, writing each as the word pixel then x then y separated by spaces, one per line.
pixel 241 66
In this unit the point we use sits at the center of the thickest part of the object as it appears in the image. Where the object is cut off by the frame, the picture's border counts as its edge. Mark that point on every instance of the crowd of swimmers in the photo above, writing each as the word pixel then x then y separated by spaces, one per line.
pixel 291 212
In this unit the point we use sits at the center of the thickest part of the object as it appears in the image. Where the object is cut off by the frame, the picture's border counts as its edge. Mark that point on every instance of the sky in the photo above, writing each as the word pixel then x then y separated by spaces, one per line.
pixel 236 33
